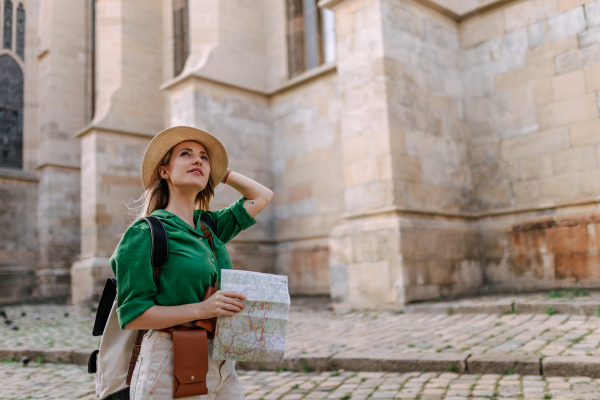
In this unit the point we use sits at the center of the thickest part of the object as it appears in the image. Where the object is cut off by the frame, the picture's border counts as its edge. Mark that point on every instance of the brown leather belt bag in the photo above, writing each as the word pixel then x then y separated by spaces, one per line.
pixel 190 355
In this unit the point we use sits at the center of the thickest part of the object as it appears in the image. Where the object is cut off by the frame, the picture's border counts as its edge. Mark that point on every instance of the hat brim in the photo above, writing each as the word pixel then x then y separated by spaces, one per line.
pixel 166 139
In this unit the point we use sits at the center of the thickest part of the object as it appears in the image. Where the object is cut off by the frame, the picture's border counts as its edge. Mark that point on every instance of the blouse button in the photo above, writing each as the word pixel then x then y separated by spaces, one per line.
pixel 200 238
pixel 212 260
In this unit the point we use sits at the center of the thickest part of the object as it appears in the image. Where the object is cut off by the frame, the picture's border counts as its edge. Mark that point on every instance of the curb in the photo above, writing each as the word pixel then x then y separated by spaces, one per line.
pixel 70 355
pixel 534 307
pixel 351 361
pixel 433 362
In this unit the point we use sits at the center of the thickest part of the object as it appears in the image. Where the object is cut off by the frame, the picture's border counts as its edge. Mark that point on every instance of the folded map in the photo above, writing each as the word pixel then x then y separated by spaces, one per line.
pixel 258 332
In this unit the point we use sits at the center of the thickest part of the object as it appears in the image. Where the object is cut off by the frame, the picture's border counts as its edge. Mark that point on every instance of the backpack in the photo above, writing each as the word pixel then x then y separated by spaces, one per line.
pixel 115 361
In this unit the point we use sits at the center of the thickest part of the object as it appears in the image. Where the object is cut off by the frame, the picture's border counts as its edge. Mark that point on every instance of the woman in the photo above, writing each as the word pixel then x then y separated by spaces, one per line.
pixel 180 170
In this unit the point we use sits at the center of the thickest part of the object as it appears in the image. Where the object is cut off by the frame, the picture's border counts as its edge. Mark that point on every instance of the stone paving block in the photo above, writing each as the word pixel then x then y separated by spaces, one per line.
pixel 33 354
pixel 571 366
pixel 289 363
pixel 81 356
pixel 316 361
pixel 489 364
pixel 8 353
pixel 424 362
pixel 351 361
pixel 539 307
pixel 59 355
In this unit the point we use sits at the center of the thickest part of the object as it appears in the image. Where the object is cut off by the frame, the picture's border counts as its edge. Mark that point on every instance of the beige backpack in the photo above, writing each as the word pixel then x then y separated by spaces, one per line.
pixel 115 361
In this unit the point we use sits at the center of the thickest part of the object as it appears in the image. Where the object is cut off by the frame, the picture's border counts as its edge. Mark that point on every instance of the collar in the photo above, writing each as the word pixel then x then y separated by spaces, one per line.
pixel 173 220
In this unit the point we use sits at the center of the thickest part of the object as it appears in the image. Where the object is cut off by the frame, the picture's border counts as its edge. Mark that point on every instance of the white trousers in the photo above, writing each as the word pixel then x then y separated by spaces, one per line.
pixel 153 374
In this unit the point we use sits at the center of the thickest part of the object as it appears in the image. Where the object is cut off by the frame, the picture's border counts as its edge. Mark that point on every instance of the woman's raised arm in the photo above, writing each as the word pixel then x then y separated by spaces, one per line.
pixel 257 196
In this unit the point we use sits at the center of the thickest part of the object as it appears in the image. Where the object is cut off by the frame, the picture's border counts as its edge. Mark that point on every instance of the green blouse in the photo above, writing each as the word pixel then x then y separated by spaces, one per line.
pixel 191 266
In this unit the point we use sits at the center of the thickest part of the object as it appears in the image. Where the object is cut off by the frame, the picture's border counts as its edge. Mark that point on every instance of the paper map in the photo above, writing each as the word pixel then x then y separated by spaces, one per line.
pixel 258 332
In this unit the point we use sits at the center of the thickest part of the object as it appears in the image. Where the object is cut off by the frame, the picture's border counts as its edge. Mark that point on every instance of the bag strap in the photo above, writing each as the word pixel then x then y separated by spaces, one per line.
pixel 159 254
pixel 206 219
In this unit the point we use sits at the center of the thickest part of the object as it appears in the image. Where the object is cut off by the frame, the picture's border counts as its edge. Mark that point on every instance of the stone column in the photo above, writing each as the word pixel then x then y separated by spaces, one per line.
pixel 365 258
pixel 61 99
pixel 129 112
pixel 407 233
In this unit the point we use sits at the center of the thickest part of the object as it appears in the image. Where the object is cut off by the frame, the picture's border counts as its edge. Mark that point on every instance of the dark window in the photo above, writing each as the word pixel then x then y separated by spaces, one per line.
pixel 295 37
pixel 181 42
pixel 8 17
pixel 310 36
pixel 11 113
pixel 21 31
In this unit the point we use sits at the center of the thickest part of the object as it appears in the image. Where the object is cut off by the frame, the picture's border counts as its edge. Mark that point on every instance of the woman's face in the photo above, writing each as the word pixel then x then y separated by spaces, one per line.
pixel 189 167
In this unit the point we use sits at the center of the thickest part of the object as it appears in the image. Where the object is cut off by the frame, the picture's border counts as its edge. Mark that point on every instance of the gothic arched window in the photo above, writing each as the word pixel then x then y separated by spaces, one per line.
pixel 20 31
pixel 181 41
pixel 8 17
pixel 11 113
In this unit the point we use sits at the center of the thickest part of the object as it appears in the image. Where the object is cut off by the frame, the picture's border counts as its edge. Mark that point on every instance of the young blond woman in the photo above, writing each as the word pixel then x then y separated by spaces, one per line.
pixel 180 170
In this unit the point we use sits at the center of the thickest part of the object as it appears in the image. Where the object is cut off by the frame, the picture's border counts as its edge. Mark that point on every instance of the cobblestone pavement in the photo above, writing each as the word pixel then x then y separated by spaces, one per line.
pixel 311 331
pixel 64 381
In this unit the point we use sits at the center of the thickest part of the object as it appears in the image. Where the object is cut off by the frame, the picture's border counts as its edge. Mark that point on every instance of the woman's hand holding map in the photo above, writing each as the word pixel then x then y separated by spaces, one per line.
pixel 224 302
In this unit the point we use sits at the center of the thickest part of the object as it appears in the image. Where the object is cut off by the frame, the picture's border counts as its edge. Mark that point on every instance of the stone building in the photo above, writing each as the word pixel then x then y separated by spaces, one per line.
pixel 416 148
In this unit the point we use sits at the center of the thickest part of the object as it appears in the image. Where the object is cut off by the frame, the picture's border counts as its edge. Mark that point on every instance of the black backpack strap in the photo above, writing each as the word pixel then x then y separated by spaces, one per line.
pixel 160 246
pixel 207 219
pixel 106 301
pixel 159 257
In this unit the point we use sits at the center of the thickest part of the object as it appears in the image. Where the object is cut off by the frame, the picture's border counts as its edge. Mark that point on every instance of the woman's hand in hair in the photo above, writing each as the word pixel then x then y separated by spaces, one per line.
pixel 223 302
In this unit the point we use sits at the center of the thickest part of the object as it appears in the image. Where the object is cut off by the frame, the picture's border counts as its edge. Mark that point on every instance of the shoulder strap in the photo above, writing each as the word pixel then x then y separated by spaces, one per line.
pixel 207 219
pixel 160 246
pixel 159 256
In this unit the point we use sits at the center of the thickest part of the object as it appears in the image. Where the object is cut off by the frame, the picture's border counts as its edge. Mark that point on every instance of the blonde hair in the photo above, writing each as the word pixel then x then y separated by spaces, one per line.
pixel 156 196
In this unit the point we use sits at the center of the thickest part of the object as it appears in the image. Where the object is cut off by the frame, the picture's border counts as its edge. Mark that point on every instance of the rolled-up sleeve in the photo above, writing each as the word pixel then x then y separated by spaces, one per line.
pixel 231 220
pixel 132 267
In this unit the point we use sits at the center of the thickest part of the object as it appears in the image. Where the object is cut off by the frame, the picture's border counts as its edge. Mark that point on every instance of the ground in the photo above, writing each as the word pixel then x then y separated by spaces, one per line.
pixel 66 381
pixel 490 326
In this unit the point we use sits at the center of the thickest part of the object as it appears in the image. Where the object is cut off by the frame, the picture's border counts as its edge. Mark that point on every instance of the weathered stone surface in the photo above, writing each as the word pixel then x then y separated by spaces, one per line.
pixel 501 364
pixel 362 361
pixel 566 24
pixel 21 381
pixel 424 362
pixel 536 34
pixel 541 306
pixel 81 356
pixel 317 361
pixel 571 366
pixel 57 355
pixel 592 13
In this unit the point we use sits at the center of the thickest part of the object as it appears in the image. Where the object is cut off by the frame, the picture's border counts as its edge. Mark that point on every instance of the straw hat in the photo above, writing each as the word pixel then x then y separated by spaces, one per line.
pixel 165 140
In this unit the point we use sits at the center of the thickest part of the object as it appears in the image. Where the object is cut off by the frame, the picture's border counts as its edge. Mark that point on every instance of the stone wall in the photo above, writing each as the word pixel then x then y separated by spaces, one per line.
pixel 531 74
pixel 129 112
pixel 111 167
pixel 308 181
pixel 439 247
pixel 240 120
pixel 18 238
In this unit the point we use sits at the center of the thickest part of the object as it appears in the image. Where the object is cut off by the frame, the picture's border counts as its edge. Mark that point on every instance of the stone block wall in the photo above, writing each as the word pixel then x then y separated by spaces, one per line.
pixel 438 245
pixel 530 75
pixel 240 120
pixel 543 251
pixel 111 174
pixel 18 235
pixel 308 181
